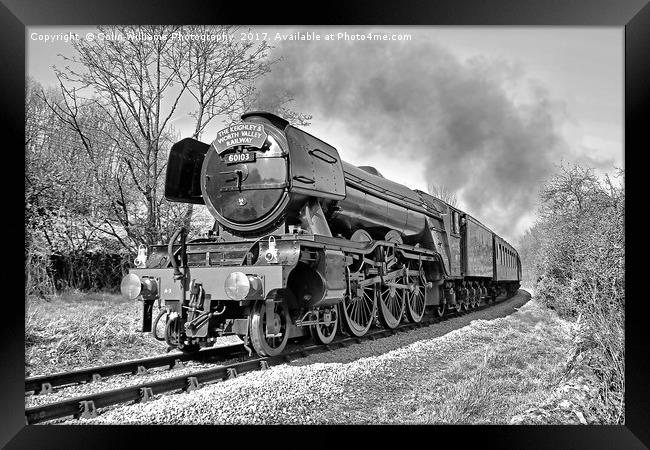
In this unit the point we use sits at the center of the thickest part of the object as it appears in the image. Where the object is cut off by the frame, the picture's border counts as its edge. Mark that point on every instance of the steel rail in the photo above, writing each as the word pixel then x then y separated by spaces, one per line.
pixel 87 405
pixel 45 383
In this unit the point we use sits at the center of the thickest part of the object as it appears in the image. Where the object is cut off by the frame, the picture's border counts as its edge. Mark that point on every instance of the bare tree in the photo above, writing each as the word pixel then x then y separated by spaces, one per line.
pixel 133 89
pixel 578 255
pixel 219 74
pixel 120 97
pixel 58 190
pixel 278 103
pixel 443 193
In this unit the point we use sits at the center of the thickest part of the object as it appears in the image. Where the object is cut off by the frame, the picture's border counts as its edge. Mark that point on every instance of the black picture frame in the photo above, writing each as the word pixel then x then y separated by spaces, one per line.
pixel 633 15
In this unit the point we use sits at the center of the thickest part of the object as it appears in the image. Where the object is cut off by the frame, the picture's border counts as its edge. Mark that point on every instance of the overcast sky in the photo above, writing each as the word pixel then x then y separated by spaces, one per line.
pixel 486 111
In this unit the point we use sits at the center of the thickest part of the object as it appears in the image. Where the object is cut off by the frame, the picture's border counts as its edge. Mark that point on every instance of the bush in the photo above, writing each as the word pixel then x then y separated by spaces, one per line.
pixel 38 279
pixel 88 271
pixel 580 271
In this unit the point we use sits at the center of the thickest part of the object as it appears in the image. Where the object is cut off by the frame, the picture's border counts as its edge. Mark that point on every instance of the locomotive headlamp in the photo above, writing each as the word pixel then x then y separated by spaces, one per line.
pixel 239 286
pixel 132 286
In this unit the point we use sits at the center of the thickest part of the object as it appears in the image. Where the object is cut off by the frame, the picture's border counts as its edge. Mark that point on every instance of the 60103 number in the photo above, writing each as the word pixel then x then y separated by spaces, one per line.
pixel 236 158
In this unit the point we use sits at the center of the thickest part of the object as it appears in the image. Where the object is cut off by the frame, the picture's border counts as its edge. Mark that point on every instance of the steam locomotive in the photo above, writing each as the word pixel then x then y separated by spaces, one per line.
pixel 307 244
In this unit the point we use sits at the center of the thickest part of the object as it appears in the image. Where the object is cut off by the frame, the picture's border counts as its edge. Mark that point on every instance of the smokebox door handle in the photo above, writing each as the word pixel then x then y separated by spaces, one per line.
pixel 318 153
pixel 304 179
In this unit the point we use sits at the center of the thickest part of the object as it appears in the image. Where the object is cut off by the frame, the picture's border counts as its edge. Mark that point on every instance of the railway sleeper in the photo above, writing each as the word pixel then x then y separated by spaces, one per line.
pixel 192 384
pixel 146 394
pixel 178 364
pixel 87 409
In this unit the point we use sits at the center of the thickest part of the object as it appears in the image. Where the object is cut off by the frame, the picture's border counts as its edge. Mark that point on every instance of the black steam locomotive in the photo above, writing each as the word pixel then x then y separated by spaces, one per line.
pixel 306 243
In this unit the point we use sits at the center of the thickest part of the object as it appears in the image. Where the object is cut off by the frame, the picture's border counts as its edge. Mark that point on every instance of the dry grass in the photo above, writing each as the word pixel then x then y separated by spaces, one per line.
pixel 76 330
pixel 499 369
pixel 484 373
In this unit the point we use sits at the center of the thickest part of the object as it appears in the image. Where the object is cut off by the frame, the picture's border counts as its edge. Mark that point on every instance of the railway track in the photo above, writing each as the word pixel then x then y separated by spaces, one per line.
pixel 87 406
pixel 45 384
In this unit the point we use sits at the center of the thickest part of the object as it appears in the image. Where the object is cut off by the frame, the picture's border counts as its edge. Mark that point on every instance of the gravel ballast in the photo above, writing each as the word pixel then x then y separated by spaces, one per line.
pixel 123 380
pixel 383 381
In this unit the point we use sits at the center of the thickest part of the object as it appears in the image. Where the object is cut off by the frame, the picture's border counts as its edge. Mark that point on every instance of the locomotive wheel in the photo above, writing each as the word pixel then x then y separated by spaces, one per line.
pixel 473 303
pixel 479 294
pixel 391 304
pixel 359 311
pixel 190 348
pixel 415 301
pixel 462 298
pixel 324 334
pixel 269 345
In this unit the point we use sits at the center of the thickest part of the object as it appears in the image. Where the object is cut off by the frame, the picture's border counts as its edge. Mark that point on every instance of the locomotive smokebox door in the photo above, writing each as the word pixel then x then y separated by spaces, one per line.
pixel 244 177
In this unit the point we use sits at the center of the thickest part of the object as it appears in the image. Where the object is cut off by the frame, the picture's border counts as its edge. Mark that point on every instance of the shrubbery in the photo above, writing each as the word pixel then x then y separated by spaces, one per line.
pixel 91 271
pixel 575 253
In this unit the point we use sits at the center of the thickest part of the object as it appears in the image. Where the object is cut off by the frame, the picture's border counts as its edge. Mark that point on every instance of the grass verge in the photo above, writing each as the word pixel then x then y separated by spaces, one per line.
pixel 76 330
pixel 497 371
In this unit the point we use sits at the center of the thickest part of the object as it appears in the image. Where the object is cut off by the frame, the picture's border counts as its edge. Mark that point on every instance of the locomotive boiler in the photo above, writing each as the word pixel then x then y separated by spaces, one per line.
pixel 305 243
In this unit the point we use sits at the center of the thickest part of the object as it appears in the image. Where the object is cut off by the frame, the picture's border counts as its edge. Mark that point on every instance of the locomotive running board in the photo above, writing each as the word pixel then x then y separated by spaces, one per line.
pixel 333 243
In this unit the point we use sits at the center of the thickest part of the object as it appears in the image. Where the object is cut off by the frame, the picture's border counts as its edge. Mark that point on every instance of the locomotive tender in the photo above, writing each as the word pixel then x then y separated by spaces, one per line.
pixel 305 243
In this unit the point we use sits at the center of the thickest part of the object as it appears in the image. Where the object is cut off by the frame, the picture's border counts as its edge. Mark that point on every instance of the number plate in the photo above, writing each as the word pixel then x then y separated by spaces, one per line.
pixel 237 158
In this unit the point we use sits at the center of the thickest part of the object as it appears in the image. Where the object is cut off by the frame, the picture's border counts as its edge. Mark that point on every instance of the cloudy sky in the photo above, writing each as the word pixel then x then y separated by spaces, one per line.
pixel 488 112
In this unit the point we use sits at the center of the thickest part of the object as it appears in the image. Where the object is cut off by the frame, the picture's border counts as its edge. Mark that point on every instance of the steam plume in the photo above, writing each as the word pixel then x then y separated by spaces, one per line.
pixel 461 118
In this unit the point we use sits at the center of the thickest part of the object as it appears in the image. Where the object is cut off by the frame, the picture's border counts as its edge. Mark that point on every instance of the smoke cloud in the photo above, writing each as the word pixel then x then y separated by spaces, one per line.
pixel 474 132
